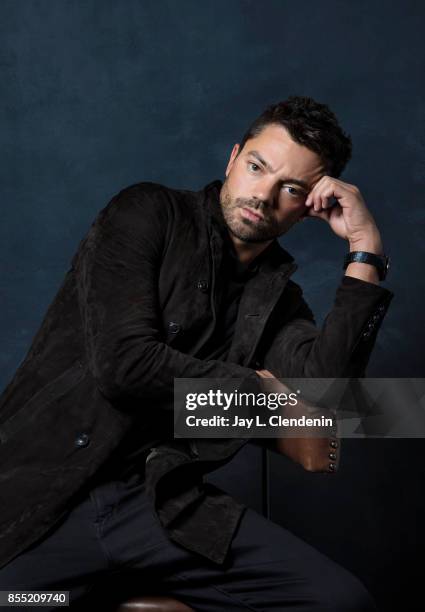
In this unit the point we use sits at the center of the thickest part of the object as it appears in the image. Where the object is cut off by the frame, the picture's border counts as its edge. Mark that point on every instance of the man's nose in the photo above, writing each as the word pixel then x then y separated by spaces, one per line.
pixel 264 191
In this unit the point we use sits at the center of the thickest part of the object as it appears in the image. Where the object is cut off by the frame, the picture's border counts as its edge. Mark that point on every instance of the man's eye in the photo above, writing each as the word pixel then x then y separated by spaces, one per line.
pixel 253 167
pixel 292 190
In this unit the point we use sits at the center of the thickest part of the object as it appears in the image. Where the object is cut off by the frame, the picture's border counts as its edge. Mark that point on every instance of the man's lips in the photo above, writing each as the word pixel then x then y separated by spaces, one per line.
pixel 252 216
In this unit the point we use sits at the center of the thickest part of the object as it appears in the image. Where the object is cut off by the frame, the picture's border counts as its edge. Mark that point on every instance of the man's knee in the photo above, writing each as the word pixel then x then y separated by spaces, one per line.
pixel 344 593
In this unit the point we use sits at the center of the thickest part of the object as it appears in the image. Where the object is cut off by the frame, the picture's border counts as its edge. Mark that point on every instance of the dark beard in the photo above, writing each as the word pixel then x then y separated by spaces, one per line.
pixel 244 229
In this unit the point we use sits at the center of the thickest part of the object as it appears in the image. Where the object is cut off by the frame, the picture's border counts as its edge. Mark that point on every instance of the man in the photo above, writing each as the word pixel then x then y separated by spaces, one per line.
pixel 174 284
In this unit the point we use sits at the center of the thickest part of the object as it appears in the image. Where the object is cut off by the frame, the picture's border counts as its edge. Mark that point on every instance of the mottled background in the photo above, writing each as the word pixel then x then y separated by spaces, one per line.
pixel 97 95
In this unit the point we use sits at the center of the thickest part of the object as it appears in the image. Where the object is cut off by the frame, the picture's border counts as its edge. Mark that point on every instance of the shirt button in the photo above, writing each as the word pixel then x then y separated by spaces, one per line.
pixel 203 286
pixel 82 440
pixel 173 327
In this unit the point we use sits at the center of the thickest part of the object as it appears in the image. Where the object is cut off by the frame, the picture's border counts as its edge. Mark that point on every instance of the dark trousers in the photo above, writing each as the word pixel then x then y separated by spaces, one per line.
pixel 113 532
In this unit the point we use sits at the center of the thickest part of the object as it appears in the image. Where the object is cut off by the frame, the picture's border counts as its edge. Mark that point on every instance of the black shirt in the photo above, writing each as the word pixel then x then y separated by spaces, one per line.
pixel 233 275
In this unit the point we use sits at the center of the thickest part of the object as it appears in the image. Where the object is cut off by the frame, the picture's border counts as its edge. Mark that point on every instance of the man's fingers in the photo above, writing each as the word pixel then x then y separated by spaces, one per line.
pixel 265 373
pixel 328 187
pixel 320 214
pixel 320 197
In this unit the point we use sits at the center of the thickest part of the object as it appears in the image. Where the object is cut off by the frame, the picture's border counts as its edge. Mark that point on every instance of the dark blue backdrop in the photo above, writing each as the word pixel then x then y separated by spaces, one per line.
pixel 100 94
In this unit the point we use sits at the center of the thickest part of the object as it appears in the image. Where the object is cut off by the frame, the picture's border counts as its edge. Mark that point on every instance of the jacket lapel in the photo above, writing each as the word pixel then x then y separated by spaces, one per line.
pixel 257 303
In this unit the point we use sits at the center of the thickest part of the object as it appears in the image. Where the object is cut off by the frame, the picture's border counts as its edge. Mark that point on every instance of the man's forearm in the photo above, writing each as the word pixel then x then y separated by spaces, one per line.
pixel 342 346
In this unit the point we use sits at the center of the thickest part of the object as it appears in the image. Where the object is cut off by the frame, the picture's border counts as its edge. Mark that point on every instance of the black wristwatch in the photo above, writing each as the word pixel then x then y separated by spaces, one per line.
pixel 381 262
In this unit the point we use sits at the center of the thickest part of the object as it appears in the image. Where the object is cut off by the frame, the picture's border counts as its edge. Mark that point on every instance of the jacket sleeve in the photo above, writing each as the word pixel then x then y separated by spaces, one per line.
pixel 342 347
pixel 117 269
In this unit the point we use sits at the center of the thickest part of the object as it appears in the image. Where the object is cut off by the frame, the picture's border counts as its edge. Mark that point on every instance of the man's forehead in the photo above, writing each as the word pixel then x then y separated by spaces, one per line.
pixel 317 175
pixel 281 153
pixel 304 170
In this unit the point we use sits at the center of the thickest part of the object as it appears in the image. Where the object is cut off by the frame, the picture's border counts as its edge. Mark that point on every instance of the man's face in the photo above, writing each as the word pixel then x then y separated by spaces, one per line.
pixel 267 184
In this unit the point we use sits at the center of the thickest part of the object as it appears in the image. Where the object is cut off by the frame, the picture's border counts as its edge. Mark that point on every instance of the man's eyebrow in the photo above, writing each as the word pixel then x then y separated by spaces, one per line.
pixel 294 181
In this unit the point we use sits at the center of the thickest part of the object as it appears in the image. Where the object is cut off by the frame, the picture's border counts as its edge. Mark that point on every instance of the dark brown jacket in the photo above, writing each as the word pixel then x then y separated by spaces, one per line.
pixel 137 303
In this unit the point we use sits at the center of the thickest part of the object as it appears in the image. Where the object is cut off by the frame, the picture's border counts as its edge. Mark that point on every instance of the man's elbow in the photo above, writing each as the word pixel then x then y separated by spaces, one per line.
pixel 128 374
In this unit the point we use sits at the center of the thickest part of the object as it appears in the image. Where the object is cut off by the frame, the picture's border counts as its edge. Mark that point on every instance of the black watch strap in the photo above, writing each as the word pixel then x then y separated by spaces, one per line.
pixel 381 262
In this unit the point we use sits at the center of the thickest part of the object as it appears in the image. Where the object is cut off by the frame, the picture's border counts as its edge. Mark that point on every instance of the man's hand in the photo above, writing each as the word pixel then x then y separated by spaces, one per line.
pixel 265 373
pixel 309 450
pixel 273 384
pixel 349 218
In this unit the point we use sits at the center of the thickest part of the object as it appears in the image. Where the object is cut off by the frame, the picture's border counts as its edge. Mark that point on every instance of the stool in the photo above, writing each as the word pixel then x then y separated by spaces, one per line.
pixel 151 603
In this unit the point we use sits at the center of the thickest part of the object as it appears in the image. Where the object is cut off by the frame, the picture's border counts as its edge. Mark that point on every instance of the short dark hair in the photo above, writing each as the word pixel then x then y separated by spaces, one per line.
pixel 311 124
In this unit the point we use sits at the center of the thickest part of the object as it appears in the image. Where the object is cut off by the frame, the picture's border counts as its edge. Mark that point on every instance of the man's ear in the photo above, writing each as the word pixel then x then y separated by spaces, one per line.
pixel 232 158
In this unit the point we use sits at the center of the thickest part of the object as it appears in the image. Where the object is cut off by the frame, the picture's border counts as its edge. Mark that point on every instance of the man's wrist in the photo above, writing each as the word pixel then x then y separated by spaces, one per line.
pixel 363 271
pixel 371 243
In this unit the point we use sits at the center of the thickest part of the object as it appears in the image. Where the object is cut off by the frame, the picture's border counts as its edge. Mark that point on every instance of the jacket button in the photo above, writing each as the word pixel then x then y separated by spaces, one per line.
pixel 334 444
pixel 82 440
pixel 366 334
pixel 173 328
pixel 256 364
pixel 332 456
pixel 332 467
pixel 203 286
